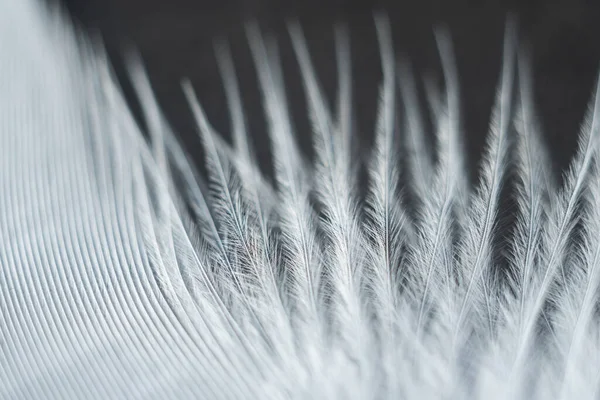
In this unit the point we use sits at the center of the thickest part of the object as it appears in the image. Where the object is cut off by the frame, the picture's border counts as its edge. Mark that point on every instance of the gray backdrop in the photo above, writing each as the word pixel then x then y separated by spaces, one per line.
pixel 175 38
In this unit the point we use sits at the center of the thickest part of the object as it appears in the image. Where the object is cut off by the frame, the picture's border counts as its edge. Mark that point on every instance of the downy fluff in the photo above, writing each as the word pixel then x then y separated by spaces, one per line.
pixel 126 273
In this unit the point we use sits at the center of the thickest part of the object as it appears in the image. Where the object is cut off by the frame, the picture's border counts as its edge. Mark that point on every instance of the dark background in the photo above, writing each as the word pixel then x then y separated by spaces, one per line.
pixel 175 39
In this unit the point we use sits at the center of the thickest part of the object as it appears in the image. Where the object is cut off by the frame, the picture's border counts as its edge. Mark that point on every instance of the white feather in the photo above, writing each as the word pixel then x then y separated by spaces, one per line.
pixel 125 273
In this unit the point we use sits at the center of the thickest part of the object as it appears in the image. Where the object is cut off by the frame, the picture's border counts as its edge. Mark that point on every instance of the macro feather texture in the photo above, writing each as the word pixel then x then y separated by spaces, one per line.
pixel 126 273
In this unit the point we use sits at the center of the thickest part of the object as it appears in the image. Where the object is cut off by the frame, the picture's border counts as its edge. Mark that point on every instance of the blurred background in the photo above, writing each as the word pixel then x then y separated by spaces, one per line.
pixel 176 37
